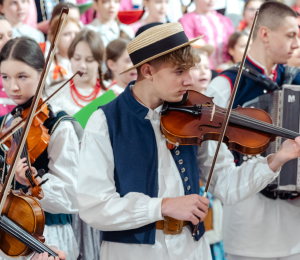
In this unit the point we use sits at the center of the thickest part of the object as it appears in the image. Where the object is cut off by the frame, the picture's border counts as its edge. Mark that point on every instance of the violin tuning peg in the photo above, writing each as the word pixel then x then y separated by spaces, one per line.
pixel 41 172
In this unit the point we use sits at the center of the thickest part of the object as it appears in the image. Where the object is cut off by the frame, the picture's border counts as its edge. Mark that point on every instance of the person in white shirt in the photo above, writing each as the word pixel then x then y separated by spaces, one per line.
pixel 15 11
pixel 259 227
pixel 143 196
pixel 22 61
pixel 118 60
pixel 107 24
pixel 60 68
pixel 86 55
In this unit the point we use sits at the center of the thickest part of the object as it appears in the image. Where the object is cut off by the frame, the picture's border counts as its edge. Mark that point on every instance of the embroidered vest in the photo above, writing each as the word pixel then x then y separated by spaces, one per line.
pixel 136 162
pixel 41 163
pixel 248 89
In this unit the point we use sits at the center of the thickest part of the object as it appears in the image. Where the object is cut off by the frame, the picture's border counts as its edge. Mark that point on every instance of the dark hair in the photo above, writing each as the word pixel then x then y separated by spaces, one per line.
pixel 271 15
pixel 114 51
pixel 233 39
pixel 24 49
pixel 95 43
pixel 57 9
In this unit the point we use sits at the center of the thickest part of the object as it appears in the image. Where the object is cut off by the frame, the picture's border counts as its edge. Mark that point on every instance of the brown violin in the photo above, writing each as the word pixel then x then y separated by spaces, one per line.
pixel 196 119
pixel 36 142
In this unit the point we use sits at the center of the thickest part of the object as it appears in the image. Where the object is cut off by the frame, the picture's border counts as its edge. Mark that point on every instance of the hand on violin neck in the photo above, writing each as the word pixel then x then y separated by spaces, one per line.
pixel 290 149
pixel 190 208
pixel 44 256
pixel 20 176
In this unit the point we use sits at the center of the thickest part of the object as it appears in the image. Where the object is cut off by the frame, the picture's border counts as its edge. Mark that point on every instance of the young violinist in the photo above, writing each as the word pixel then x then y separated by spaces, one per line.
pixel 22 61
pixel 262 227
pixel 137 191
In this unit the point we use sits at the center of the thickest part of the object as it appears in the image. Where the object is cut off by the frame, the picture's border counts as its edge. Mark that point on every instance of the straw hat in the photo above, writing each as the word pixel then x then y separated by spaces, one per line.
pixel 155 42
pixel 200 44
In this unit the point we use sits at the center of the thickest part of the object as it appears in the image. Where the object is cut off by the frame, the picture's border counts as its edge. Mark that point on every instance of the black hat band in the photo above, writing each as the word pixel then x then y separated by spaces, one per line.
pixel 158 47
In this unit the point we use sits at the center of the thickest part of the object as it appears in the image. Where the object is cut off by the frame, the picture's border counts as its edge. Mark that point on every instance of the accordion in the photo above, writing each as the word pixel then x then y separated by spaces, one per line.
pixel 284 108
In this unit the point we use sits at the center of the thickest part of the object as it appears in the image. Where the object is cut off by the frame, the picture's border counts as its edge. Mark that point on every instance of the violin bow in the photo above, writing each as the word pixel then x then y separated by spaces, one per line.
pixel 21 123
pixel 226 119
pixel 41 84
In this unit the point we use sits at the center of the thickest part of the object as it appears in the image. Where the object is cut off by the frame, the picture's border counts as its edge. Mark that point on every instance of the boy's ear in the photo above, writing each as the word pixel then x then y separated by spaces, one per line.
pixel 1 10
pixel 264 33
pixel 147 71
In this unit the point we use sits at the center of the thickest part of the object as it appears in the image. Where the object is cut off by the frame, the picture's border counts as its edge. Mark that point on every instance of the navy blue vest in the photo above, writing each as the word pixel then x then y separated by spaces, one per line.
pixel 248 89
pixel 42 163
pixel 136 162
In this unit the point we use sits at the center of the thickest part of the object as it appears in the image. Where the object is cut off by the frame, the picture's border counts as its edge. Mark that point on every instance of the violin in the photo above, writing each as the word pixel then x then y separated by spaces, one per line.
pixel 22 218
pixel 197 119
pixel 36 142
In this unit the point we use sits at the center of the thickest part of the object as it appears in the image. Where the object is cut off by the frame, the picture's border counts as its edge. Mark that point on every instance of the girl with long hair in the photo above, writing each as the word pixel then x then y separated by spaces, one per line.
pixel 21 64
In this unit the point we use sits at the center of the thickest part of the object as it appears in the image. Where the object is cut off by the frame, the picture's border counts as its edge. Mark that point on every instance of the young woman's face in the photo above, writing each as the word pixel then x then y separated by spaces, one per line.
pixel 238 51
pixel 107 9
pixel 123 63
pixel 250 10
pixel 201 74
pixel 205 5
pixel 83 60
pixel 157 9
pixel 19 80
pixel 15 11
pixel 68 35
pixel 5 33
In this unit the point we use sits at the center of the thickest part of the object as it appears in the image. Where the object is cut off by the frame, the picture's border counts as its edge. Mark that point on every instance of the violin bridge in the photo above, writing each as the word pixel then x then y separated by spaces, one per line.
pixel 213 113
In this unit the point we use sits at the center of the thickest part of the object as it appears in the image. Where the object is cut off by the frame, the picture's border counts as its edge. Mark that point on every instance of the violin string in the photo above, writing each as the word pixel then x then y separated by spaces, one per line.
pixel 262 127
pixel 252 120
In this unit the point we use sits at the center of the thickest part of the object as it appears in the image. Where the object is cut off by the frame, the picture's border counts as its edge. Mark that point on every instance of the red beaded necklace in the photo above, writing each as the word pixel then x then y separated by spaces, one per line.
pixel 88 98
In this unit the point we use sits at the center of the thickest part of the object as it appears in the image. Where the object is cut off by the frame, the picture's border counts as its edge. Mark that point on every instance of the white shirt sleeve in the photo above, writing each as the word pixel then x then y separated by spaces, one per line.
pixel 63 154
pixel 229 183
pixel 220 88
pixel 100 205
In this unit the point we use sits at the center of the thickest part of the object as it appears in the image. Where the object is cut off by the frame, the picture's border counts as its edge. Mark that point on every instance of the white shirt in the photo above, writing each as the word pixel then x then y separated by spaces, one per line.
pixel 257 226
pixel 101 206
pixel 111 33
pixel 115 88
pixel 63 153
pixel 26 30
pixel 64 100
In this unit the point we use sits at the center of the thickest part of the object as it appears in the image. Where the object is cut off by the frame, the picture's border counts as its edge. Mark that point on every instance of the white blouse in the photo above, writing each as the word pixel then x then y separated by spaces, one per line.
pixel 26 30
pixel 64 100
pixel 101 206
pixel 111 33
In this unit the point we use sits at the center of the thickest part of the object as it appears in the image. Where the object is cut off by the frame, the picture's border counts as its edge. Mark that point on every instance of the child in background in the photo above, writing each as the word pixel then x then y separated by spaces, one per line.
pixel 107 24
pixel 157 12
pixel 249 13
pixel 6 104
pixel 201 73
pixel 215 27
pixel 61 67
pixel 15 11
pixel 295 59
pixel 86 55
pixel 118 60
pixel 73 13
pixel 236 46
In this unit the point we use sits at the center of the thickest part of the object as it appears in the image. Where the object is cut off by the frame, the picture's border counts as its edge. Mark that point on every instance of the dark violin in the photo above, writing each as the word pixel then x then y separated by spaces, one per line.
pixel 196 119
pixel 36 142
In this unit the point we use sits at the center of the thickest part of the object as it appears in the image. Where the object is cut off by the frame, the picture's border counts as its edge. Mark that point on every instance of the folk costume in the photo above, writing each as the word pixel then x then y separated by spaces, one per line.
pixel 123 197
pixel 72 99
pixel 60 162
pixel 271 225
pixel 27 30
